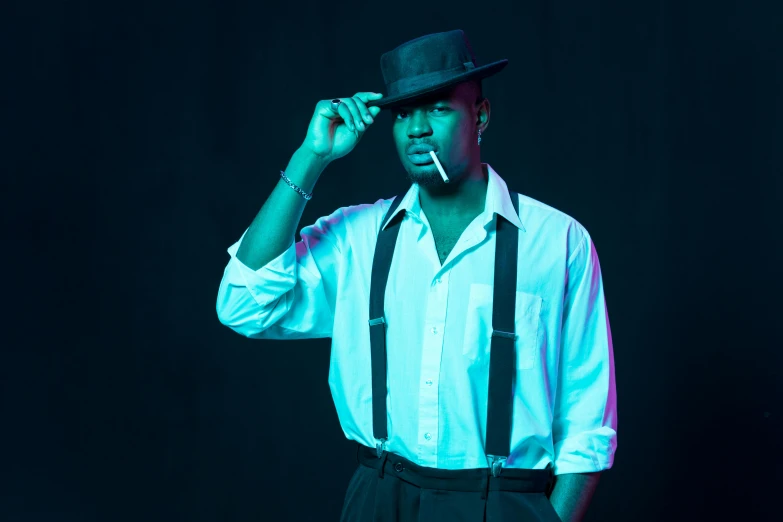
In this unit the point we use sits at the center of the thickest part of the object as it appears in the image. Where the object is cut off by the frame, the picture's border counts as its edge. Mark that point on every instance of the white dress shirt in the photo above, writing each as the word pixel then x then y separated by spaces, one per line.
pixel 439 324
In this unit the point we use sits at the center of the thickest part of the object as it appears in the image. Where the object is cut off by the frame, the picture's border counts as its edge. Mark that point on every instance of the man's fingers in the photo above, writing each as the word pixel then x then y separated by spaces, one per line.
pixel 367 96
pixel 350 104
pixel 363 110
pixel 354 111
pixel 345 114
pixel 370 97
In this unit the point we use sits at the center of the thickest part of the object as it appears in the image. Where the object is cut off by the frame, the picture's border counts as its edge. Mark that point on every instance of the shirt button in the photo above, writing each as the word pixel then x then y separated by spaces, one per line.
pixel 427 436
pixel 434 330
pixel 429 382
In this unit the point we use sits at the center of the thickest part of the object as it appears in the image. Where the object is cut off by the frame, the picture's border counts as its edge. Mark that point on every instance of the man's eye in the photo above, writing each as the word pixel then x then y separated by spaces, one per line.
pixel 434 109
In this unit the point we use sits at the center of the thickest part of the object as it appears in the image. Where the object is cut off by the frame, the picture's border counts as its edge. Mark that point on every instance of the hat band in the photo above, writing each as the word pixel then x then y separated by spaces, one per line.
pixel 422 81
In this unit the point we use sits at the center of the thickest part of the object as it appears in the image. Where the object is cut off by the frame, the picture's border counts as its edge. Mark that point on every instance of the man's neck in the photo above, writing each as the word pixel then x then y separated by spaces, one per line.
pixel 459 202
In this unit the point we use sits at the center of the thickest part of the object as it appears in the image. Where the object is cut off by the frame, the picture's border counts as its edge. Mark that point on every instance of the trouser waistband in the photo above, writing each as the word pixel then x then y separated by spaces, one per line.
pixel 474 479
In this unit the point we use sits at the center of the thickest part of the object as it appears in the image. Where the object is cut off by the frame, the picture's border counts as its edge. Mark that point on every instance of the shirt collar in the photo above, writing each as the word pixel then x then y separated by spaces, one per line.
pixel 497 202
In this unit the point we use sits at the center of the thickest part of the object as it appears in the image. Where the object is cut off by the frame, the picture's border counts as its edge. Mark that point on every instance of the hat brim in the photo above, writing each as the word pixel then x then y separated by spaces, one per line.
pixel 479 72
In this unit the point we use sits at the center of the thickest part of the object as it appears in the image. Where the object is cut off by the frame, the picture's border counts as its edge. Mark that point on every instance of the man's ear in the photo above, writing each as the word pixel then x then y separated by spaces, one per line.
pixel 478 113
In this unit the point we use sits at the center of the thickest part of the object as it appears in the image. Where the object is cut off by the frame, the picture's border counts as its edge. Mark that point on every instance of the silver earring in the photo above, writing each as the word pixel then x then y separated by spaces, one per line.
pixel 479 140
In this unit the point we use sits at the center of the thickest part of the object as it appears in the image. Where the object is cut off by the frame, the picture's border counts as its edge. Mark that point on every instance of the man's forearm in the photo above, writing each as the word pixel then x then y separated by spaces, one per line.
pixel 572 493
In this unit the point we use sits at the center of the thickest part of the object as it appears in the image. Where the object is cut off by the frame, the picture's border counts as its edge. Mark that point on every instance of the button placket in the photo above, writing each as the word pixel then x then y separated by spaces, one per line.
pixel 433 333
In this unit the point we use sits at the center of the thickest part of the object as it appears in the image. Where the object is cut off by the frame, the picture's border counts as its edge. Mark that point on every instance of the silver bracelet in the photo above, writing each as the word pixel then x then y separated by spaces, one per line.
pixel 291 184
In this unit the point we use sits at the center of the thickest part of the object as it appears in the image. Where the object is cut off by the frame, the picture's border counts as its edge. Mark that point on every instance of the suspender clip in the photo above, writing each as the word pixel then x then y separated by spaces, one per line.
pixel 380 446
pixel 496 464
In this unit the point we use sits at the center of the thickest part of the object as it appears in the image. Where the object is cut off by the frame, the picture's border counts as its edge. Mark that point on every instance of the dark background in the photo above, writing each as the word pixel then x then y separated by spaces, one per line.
pixel 140 139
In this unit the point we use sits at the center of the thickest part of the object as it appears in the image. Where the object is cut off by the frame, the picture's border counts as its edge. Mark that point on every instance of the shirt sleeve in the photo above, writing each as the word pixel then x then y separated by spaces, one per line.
pixel 584 426
pixel 293 295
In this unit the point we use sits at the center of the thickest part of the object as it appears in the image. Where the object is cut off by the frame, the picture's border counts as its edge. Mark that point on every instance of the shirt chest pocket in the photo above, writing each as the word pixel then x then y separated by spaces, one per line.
pixel 478 326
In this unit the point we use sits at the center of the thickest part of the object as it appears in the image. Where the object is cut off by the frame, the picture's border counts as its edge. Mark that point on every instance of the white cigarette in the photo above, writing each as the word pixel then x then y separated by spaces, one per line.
pixel 440 167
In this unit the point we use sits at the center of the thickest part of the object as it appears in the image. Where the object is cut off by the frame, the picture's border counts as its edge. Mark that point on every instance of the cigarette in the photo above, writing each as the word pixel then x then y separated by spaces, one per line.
pixel 440 167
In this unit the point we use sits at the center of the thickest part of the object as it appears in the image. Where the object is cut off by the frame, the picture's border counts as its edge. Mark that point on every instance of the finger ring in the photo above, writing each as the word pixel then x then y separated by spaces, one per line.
pixel 336 104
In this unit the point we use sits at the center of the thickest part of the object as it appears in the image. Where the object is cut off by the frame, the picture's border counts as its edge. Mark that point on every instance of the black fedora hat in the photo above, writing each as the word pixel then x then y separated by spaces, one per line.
pixel 428 64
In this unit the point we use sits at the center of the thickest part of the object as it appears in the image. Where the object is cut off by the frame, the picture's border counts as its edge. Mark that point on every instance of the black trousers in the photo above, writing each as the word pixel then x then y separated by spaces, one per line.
pixel 394 489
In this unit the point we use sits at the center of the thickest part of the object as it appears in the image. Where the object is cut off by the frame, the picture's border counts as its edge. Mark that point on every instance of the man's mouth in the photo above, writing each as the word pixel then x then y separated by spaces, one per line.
pixel 420 159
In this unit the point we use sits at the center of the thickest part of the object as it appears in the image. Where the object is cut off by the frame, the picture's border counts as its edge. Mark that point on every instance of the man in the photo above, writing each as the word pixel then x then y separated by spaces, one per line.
pixel 472 358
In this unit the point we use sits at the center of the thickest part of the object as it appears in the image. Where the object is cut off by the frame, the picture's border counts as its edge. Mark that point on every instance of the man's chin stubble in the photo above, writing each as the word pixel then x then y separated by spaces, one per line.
pixel 425 179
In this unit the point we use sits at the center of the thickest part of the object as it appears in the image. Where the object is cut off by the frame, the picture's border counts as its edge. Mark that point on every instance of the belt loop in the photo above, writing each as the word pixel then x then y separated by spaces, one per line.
pixel 383 463
pixel 485 486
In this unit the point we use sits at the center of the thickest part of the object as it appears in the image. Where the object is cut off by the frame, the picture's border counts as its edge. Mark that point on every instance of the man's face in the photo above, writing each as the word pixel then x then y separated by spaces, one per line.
pixel 445 121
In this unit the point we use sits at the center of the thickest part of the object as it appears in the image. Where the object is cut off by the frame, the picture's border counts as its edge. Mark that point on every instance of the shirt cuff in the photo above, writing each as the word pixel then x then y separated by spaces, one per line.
pixel 267 283
pixel 588 452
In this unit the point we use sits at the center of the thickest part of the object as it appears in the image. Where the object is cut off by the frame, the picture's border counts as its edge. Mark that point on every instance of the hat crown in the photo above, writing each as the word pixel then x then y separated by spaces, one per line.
pixel 429 64
pixel 426 61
